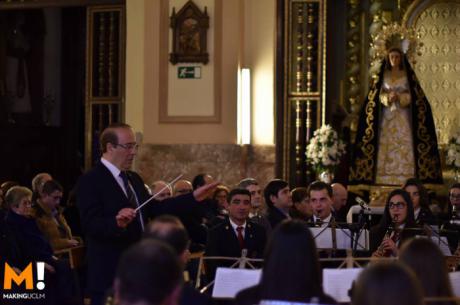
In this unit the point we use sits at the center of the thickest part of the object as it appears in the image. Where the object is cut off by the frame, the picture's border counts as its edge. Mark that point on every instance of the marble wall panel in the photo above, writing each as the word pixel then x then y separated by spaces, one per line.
pixel 226 162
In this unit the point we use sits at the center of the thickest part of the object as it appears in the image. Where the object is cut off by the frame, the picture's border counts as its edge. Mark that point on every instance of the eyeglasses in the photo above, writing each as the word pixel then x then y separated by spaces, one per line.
pixel 396 205
pixel 128 146
pixel 455 196
pixel 26 203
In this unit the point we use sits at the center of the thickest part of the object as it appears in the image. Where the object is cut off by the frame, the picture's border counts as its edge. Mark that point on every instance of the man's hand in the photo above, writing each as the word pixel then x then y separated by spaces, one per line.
pixel 203 192
pixel 124 217
pixel 73 242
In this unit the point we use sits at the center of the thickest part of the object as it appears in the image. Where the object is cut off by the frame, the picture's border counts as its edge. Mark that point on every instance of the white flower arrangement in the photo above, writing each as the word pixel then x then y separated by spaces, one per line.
pixel 325 149
pixel 453 152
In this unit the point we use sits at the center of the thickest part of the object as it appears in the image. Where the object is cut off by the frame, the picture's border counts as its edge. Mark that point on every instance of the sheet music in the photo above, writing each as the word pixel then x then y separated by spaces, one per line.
pixel 323 238
pixel 455 282
pixel 230 281
pixel 337 282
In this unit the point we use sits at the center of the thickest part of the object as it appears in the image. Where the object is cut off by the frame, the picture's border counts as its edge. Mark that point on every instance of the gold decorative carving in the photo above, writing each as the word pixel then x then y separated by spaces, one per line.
pixel 304 87
pixel 438 26
pixel 352 84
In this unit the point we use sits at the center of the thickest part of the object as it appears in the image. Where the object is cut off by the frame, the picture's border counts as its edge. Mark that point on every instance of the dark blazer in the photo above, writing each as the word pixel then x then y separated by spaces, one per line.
pixel 30 245
pixel 222 241
pixel 99 199
pixel 275 216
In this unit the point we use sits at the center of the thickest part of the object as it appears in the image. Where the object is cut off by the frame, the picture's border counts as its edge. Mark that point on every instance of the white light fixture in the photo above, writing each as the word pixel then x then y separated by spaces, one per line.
pixel 244 107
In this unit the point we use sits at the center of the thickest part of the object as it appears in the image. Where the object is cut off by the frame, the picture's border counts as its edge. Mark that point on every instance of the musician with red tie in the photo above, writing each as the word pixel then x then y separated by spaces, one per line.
pixel 236 233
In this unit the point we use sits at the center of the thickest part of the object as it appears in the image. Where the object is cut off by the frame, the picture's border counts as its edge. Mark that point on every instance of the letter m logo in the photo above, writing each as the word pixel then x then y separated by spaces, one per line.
pixel 11 276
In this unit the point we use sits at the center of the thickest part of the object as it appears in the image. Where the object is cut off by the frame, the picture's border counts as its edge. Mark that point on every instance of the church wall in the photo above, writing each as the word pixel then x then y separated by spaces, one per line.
pixel 247 39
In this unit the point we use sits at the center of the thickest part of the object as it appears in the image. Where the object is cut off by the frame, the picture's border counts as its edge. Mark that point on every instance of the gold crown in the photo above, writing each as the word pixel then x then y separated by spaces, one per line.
pixel 394 35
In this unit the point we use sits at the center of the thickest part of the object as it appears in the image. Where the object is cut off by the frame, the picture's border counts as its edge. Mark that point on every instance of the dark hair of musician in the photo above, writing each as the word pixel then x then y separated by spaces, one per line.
pixel 425 259
pixel 148 271
pixel 291 271
pixel 272 189
pixel 386 220
pixel 169 229
pixel 422 191
pixel 387 284
pixel 319 186
pixel 237 191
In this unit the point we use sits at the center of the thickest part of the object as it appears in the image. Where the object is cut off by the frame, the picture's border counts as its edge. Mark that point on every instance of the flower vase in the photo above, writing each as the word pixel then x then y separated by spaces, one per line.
pixel 326 176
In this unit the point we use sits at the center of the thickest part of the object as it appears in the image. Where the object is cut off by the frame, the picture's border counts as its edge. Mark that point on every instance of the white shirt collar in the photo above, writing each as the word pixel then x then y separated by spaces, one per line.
pixel 234 225
pixel 111 167
pixel 416 212
pixel 115 173
pixel 325 221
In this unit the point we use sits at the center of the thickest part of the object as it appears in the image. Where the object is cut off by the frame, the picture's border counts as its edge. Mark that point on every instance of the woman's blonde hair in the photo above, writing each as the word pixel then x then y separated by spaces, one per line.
pixel 15 194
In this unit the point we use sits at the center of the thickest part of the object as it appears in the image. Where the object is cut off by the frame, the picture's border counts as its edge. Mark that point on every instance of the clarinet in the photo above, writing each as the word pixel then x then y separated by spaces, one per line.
pixel 391 228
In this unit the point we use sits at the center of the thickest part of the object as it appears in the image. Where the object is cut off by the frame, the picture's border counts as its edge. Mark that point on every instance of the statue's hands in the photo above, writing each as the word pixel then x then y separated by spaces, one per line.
pixel 393 97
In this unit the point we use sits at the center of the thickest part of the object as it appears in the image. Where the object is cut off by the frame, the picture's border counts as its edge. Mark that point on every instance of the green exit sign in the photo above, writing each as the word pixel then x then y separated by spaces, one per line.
pixel 189 72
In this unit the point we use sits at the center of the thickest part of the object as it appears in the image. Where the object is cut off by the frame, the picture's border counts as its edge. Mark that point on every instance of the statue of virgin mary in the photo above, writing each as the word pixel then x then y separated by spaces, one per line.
pixel 396 137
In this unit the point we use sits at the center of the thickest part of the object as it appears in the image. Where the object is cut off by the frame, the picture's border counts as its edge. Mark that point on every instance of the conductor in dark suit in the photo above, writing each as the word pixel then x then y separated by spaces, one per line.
pixel 107 196
pixel 236 233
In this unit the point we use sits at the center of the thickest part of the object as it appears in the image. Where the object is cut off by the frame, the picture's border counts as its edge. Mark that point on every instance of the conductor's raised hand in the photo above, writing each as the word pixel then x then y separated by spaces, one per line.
pixel 204 191
pixel 125 216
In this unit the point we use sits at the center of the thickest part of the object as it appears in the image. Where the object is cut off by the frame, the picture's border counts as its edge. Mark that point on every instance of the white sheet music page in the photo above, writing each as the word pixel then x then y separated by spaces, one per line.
pixel 337 282
pixel 455 282
pixel 230 281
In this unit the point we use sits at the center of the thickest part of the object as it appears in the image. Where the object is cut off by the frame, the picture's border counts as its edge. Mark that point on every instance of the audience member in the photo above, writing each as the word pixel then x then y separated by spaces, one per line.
pixel 291 270
pixel 279 201
pixel 49 218
pixel 386 284
pixel 428 263
pixel 32 245
pixel 236 233
pixel 182 187
pixel 258 212
pixel 220 198
pixel 166 191
pixel 301 208
pixel 420 200
pixel 339 202
pixel 396 225
pixel 148 273
pixel 37 184
pixel 39 180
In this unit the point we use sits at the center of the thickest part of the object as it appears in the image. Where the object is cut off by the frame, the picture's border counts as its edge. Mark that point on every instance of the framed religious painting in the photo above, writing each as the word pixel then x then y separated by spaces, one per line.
pixel 189 41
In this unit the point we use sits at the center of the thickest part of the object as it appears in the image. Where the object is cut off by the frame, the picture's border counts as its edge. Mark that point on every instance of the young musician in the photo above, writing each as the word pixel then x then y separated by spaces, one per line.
pixel 398 218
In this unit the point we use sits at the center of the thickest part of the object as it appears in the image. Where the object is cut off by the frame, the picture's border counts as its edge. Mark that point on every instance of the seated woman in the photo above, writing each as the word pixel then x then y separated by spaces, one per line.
pixel 386 284
pixel 398 216
pixel 49 217
pixel 291 271
pixel 32 246
pixel 420 200
pixel 301 208
pixel 433 275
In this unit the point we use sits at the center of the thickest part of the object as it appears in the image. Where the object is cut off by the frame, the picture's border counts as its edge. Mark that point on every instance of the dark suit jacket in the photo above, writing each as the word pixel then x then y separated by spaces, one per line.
pixel 99 198
pixel 275 216
pixel 222 241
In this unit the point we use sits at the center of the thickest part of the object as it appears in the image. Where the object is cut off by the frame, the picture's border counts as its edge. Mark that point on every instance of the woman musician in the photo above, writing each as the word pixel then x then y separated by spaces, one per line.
pixel 398 216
